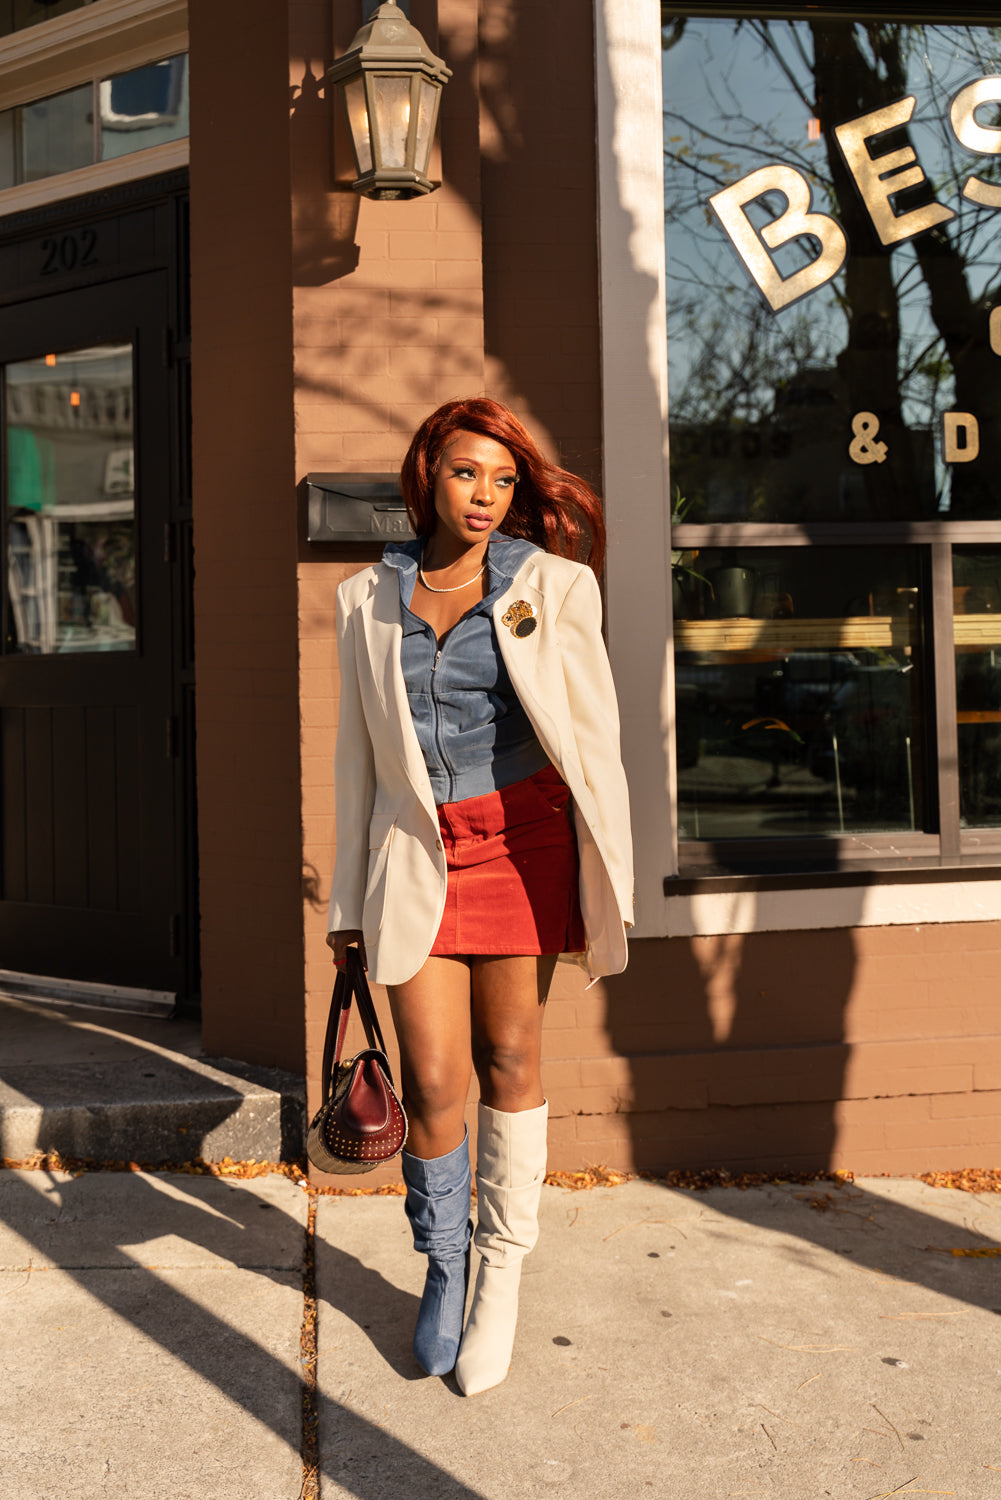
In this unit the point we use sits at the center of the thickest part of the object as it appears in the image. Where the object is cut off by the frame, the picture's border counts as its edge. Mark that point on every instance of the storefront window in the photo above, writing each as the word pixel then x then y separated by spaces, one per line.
pixel 833 216
pixel 70 502
pixel 800 690
pixel 977 604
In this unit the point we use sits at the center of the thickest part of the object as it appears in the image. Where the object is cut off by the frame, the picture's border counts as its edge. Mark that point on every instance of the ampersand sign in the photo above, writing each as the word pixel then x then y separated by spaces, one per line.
pixel 863 448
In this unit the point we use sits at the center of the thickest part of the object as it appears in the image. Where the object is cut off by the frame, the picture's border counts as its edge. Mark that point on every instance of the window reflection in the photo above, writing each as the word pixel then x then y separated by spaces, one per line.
pixel 56 134
pixel 799 691
pixel 145 107
pixel 70 502
pixel 976 596
pixel 113 117
pixel 771 406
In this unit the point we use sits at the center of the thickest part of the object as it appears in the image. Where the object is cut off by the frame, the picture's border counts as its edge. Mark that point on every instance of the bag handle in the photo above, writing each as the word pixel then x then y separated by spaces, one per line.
pixel 351 982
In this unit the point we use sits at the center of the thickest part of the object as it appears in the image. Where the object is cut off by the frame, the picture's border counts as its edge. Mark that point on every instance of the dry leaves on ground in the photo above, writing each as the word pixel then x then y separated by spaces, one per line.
pixel 966 1179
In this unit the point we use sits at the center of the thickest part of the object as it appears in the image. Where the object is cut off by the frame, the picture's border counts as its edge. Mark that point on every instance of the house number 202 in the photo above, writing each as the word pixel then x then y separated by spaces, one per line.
pixel 69 252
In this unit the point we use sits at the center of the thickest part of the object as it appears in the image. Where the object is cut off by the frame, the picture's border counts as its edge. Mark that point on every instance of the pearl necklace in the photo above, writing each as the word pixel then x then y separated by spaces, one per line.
pixel 455 586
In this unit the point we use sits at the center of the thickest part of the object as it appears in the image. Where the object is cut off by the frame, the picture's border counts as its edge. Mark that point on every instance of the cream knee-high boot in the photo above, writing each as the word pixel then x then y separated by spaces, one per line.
pixel 510 1167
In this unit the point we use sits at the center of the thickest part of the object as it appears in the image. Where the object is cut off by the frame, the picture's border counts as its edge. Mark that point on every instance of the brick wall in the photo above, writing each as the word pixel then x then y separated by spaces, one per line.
pixel 877 1049
pixel 326 327
pixel 388 304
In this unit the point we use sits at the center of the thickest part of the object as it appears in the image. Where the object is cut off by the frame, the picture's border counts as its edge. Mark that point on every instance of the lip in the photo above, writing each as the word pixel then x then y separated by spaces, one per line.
pixel 479 522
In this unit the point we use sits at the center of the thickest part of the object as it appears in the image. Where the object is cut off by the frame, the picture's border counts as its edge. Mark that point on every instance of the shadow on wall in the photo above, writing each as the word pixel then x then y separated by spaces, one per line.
pixel 540 257
pixel 324 223
pixel 737 1050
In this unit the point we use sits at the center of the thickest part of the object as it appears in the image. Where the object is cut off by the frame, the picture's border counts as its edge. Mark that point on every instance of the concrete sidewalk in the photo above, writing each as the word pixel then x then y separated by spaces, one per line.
pixel 782 1341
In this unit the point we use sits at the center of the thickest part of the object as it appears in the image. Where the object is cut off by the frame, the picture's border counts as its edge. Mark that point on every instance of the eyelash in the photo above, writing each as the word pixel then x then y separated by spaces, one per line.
pixel 507 479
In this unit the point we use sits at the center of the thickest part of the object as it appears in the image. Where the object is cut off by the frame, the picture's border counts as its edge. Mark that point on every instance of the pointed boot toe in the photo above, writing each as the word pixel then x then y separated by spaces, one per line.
pixel 437 1206
pixel 439 1322
pixel 488 1343
pixel 509 1175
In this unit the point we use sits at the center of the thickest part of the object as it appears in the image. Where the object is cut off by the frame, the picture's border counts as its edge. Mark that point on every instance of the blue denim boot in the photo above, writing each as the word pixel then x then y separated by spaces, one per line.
pixel 438 1210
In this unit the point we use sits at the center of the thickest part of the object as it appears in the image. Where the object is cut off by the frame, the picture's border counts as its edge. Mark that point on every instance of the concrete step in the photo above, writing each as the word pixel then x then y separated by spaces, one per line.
pixel 87 1083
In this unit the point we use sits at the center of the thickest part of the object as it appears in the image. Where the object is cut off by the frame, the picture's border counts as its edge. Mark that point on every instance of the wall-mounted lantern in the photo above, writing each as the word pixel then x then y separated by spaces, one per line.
pixel 392 85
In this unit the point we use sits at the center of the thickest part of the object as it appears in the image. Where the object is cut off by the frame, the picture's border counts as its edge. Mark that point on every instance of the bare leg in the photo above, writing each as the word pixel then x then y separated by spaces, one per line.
pixel 431 1015
pixel 508 1006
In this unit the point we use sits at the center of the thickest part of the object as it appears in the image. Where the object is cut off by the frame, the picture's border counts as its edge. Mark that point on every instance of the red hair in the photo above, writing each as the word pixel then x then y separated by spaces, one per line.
pixel 557 510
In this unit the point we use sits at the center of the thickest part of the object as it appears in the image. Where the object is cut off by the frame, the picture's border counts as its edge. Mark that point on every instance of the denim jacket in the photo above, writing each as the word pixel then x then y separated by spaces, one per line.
pixel 473 732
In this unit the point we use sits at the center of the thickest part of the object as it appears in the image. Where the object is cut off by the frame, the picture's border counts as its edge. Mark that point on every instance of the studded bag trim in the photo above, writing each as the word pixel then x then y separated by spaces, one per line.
pixel 361 1121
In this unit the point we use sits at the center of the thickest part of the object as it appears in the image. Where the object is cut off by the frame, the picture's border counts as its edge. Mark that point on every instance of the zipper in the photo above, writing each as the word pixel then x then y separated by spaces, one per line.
pixel 438 735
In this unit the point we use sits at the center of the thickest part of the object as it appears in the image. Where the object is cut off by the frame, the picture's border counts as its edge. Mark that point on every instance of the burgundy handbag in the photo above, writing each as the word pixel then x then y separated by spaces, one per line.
pixel 361 1121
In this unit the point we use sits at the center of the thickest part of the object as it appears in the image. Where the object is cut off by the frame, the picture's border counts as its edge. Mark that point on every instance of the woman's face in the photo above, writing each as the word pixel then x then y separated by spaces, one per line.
pixel 474 487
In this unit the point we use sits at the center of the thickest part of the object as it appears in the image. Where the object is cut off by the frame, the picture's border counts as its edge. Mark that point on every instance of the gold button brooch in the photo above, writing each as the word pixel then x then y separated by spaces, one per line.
pixel 520 618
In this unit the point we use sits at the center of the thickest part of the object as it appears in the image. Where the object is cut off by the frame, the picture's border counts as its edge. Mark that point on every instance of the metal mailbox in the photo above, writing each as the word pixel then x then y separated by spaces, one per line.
pixel 356 508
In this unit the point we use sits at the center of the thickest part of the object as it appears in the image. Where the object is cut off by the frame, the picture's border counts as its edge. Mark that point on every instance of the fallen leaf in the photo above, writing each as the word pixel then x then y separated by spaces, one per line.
pixel 975 1251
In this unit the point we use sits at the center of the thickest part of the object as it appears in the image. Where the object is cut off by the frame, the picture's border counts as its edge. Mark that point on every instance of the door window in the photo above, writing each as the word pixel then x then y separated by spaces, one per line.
pixel 70 502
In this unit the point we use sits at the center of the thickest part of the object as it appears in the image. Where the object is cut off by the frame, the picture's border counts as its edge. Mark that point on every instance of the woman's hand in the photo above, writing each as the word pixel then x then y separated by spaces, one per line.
pixel 340 942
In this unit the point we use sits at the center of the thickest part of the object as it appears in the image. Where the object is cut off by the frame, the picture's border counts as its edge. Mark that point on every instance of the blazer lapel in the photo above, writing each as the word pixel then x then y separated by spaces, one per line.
pixel 383 628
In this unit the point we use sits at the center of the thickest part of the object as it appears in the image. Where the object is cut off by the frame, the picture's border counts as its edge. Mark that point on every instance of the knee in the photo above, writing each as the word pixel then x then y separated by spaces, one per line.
pixel 506 1068
pixel 431 1092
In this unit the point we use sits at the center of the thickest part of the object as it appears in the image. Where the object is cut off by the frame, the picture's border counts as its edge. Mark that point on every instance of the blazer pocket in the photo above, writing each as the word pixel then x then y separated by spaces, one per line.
pixel 380 840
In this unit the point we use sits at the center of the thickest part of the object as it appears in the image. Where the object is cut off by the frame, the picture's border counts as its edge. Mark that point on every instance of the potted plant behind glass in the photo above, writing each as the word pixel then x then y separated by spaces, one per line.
pixel 680 568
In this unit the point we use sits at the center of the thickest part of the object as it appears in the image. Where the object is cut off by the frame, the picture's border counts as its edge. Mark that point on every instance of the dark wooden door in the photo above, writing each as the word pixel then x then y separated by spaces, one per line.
pixel 91 838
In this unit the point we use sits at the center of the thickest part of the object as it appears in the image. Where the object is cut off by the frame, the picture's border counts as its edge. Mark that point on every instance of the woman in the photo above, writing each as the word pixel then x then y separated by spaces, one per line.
pixel 476 702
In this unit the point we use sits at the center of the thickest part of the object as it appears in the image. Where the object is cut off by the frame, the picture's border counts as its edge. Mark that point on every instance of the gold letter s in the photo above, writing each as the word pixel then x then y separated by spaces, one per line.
pixel 983 139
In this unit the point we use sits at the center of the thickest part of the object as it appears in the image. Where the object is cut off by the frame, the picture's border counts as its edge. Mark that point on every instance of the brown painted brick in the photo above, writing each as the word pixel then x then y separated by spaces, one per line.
pixel 903 1109
pixel 589 1129
pixel 317 712
pixel 405 363
pixel 969 1106
pixel 407 244
pixel 335 370
pixel 318 453
pixel 457 217
pixel 561 1136
pixel 317 771
pixel 610 1072
pixel 386 332
pixel 319 652
pixel 457 273
pixel 396 273
pixel 940 1134
pixel 562 1072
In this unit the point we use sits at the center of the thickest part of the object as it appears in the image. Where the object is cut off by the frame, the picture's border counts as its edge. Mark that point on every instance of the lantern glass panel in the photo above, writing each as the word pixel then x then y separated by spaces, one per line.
pixel 425 124
pixel 361 131
pixel 391 102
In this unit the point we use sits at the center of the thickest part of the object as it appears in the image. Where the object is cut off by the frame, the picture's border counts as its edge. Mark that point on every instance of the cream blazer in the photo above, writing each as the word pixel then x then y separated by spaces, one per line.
pixel 390 875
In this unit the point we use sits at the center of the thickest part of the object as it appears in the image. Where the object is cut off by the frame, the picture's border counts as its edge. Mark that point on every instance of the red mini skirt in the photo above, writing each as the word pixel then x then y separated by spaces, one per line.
pixel 513 874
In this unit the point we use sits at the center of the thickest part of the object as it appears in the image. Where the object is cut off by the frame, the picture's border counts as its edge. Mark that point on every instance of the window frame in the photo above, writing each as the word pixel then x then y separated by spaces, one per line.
pixel 104 38
pixel 637 488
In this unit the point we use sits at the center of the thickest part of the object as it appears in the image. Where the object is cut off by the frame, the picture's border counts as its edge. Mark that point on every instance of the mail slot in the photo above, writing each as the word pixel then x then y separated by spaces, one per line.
pixel 356 508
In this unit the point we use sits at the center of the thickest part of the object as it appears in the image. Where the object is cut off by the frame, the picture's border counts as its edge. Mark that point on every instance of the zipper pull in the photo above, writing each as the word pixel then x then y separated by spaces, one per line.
pixel 437 659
